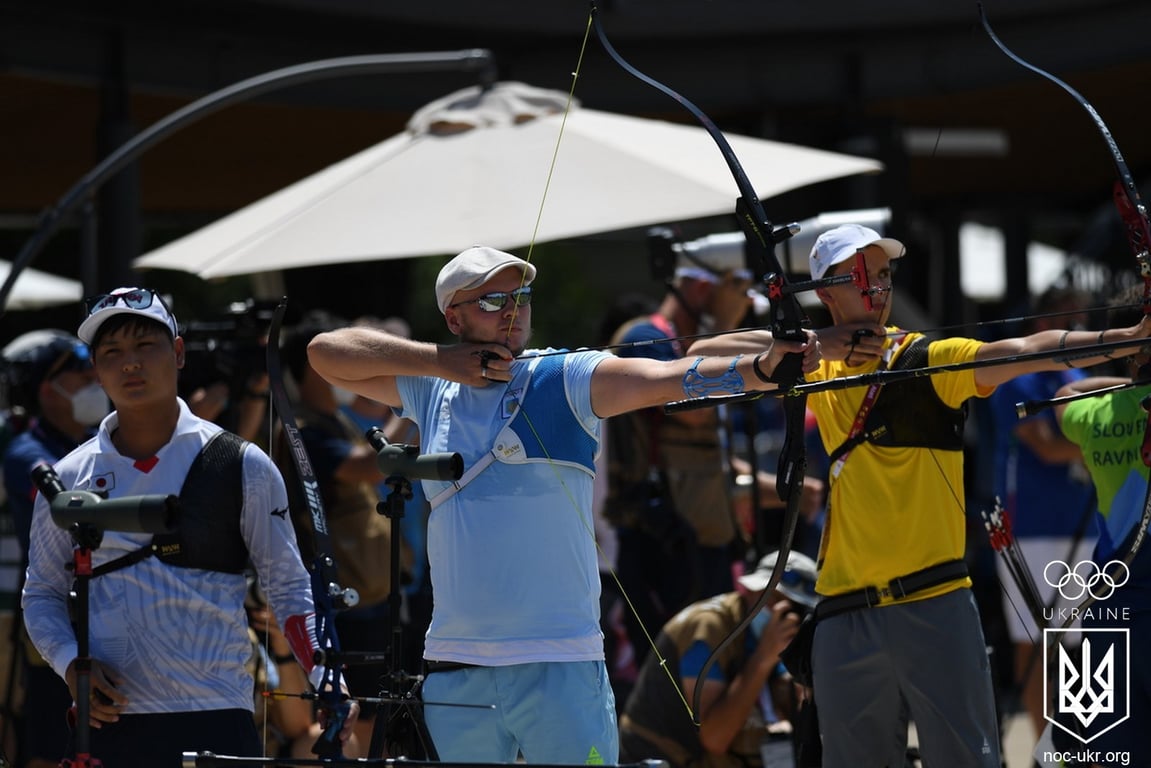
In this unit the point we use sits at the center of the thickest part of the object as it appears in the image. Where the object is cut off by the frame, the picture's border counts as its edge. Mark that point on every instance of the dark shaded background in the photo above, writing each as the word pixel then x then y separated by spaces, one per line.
pixel 78 78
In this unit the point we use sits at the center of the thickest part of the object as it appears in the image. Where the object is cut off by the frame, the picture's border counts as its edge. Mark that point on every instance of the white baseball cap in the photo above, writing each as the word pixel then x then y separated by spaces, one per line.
pixel 133 301
pixel 797 583
pixel 473 268
pixel 843 242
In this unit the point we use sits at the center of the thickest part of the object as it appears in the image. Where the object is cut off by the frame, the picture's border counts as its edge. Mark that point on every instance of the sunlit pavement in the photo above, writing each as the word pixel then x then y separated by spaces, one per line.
pixel 1018 741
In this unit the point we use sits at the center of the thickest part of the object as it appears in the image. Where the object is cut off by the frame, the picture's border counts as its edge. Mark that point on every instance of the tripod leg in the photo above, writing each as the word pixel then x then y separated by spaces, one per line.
pixel 400 730
pixel 410 737
pixel 376 747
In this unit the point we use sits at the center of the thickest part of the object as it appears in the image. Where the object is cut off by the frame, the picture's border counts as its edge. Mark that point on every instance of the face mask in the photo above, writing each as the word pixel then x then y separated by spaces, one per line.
pixel 760 622
pixel 344 397
pixel 89 404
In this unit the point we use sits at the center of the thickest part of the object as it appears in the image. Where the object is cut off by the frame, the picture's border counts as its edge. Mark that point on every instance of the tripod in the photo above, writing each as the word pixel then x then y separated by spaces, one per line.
pixel 399 728
pixel 87 538
pixel 75 512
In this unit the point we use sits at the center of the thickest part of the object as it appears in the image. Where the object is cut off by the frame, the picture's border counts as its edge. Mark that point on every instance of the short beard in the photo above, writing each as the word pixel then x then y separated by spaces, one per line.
pixel 467 337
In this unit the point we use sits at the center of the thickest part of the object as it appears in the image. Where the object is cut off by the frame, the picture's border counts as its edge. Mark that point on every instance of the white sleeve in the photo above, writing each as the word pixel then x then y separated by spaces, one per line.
pixel 266 525
pixel 46 589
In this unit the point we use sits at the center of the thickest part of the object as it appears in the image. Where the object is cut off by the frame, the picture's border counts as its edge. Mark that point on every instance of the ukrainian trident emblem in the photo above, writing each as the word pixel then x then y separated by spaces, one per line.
pixel 1092 690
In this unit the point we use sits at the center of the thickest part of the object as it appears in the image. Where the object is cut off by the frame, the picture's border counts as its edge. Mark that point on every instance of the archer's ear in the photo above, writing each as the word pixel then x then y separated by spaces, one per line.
pixel 453 321
pixel 178 348
pixel 822 295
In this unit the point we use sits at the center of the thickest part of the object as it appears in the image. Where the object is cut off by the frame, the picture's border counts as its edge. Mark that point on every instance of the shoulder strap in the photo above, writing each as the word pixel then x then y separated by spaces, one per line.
pixel 485 461
pixel 913 355
pixel 219 456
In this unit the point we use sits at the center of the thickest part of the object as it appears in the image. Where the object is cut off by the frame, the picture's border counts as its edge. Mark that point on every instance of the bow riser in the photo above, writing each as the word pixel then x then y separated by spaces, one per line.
pixel 326 593
pixel 1134 216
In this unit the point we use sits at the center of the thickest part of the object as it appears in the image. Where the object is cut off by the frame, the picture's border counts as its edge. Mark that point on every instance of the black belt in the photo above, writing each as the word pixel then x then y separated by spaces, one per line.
pixel 869 597
pixel 445 666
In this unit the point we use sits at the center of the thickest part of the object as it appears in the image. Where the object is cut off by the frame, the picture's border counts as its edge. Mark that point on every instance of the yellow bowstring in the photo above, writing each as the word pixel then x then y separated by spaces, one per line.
pixel 588 525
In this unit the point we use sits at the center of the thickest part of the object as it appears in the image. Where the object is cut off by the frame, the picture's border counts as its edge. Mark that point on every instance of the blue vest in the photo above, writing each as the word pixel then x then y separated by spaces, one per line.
pixel 541 429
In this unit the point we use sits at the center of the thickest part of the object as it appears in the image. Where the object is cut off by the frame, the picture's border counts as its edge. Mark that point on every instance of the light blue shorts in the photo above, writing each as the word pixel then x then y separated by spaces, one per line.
pixel 550 712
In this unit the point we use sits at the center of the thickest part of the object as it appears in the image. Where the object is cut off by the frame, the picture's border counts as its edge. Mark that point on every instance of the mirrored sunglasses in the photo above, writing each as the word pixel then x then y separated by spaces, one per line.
pixel 494 302
pixel 138 299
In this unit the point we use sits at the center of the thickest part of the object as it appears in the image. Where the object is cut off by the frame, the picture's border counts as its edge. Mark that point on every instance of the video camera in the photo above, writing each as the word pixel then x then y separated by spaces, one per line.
pixel 231 348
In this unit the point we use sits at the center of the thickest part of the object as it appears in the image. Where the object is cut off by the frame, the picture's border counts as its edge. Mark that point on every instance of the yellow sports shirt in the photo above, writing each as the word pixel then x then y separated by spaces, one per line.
pixel 892 510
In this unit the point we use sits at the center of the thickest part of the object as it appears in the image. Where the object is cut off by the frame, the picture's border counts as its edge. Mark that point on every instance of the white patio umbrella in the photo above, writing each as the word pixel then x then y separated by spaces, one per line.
pixel 472 168
pixel 35 289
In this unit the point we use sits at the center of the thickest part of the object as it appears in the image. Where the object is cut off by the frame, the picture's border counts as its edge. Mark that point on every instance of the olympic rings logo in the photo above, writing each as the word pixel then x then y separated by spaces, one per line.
pixel 1085 577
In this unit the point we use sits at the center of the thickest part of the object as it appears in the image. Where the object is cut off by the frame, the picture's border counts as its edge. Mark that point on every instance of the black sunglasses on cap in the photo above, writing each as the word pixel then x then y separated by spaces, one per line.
pixel 135 299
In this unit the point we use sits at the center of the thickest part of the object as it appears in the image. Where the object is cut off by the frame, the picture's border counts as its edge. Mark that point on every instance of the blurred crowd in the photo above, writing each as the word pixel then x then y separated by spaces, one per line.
pixel 687 520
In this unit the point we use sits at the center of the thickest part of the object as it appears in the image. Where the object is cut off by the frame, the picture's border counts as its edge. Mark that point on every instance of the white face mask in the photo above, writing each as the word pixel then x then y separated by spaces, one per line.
pixel 343 396
pixel 89 403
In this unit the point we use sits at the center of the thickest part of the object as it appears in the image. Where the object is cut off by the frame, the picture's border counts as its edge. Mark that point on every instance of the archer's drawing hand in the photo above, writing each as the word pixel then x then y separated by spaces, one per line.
pixel 853 343
pixel 477 365
pixel 104 700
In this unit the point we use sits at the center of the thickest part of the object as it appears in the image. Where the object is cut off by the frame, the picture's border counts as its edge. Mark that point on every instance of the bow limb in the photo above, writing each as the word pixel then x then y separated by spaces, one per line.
pixel 787 319
pixel 1133 213
pixel 1126 194
pixel 326 592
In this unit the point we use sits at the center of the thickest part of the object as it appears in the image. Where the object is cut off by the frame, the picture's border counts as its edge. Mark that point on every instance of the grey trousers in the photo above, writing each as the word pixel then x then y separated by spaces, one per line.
pixel 927 660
